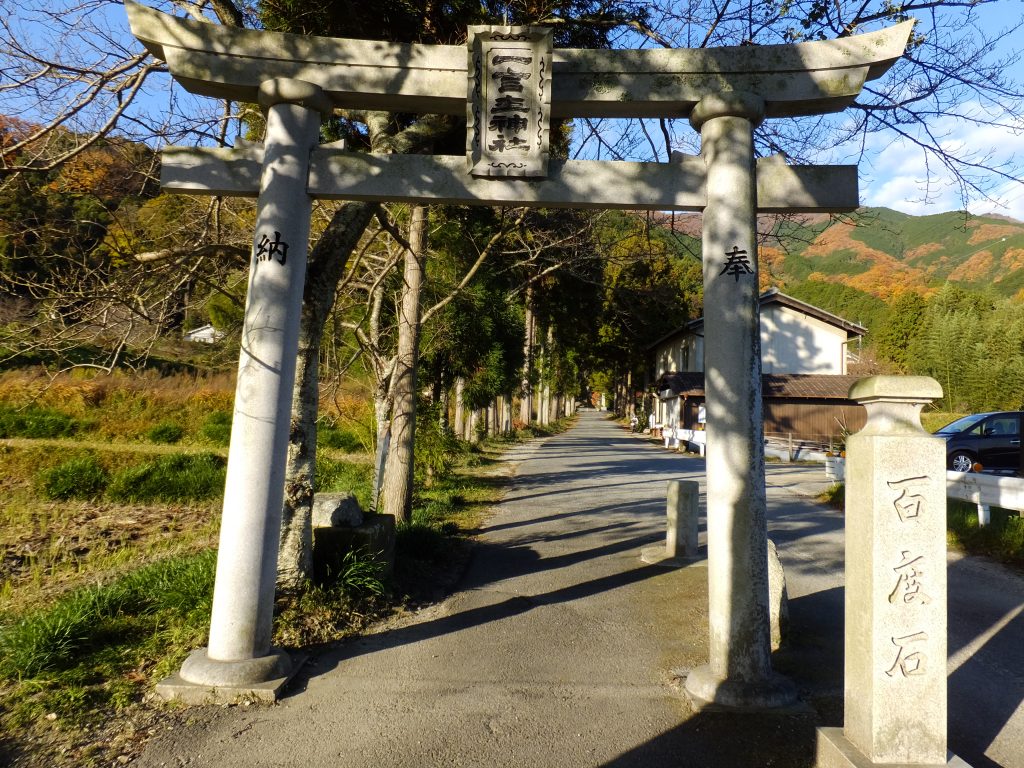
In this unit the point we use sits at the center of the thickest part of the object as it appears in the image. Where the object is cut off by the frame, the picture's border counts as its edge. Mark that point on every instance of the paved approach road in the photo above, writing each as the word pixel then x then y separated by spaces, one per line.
pixel 562 648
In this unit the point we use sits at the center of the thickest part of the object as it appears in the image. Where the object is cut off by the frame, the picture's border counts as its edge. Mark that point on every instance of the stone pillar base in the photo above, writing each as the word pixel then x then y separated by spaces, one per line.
pixel 203 680
pixel 706 689
pixel 656 555
pixel 836 751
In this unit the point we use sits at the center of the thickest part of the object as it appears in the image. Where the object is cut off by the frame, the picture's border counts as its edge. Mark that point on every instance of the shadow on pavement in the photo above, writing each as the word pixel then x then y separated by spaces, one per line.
pixel 724 740
pixel 477 616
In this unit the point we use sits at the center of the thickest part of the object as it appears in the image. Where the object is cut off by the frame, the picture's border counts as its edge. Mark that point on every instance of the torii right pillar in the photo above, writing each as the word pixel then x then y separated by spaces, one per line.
pixel 739 672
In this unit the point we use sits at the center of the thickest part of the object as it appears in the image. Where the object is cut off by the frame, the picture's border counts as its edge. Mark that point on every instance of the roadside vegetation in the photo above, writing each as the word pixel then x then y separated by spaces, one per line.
pixel 108 522
pixel 1002 539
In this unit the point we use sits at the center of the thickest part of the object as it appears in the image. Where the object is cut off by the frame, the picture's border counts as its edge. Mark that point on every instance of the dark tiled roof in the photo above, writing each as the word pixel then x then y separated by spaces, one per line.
pixel 775 385
pixel 688 383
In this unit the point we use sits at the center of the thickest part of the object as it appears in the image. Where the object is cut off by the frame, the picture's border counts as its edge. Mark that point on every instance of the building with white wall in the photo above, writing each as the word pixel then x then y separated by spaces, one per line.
pixel 805 352
pixel 796 337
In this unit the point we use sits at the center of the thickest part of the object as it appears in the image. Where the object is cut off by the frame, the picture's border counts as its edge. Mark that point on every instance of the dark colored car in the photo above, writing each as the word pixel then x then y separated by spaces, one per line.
pixel 991 439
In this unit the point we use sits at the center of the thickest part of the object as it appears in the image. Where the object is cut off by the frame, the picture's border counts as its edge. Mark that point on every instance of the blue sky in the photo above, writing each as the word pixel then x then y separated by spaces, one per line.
pixel 894 173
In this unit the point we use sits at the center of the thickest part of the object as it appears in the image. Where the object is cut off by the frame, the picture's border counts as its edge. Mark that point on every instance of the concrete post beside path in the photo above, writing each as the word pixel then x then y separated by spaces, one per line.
pixel 895 659
pixel 682 511
pixel 239 660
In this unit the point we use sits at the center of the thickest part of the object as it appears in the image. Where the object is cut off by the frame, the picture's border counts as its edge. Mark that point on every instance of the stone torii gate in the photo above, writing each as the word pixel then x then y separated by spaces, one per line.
pixel 509 85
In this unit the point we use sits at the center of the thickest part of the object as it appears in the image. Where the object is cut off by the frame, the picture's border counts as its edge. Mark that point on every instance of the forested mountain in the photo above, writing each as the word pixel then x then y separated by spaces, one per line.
pixel 883 252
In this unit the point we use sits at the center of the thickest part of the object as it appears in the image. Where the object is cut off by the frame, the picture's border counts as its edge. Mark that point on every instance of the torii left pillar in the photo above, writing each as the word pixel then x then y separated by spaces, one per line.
pixel 239 660
pixel 739 672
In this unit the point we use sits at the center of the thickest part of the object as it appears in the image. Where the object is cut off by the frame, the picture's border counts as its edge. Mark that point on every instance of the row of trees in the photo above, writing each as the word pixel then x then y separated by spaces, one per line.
pixel 502 301
pixel 971 342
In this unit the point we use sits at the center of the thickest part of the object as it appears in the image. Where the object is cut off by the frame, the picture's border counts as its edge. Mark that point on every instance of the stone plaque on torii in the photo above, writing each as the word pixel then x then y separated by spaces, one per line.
pixel 508 93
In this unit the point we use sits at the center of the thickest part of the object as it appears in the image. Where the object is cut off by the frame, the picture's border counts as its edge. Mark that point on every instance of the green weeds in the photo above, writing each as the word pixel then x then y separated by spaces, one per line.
pixel 216 428
pixel 1002 539
pixel 35 422
pixel 175 477
pixel 166 432
pixel 335 475
pixel 361 573
pixel 81 651
pixel 80 477
pixel 340 439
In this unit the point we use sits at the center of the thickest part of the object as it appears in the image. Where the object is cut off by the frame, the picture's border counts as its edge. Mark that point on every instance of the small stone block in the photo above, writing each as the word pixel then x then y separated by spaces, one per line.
pixel 682 510
pixel 174 688
pixel 836 751
pixel 336 510
pixel 375 536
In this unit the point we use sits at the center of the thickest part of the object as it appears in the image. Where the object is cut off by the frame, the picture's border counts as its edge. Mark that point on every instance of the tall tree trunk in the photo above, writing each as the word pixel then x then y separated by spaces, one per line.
pixel 460 408
pixel 326 265
pixel 526 389
pixel 382 417
pixel 398 474
pixel 443 402
pixel 327 262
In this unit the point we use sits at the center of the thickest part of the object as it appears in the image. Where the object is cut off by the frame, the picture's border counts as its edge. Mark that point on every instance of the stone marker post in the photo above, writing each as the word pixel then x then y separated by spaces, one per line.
pixel 739 672
pixel 682 510
pixel 239 657
pixel 895 661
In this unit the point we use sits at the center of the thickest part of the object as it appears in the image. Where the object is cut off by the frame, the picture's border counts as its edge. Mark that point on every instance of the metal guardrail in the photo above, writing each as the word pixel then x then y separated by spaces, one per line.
pixel 986 491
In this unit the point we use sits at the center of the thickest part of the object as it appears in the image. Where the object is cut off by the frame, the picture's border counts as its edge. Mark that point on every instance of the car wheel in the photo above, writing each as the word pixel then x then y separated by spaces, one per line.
pixel 961 461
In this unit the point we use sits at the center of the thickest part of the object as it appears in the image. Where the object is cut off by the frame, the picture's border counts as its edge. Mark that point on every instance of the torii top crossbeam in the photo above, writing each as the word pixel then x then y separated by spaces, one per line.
pixel 801 79
pixel 790 80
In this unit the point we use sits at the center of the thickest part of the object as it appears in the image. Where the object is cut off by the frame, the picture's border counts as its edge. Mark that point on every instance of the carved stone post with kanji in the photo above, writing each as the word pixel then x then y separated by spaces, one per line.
pixel 895 660
pixel 739 672
pixel 239 659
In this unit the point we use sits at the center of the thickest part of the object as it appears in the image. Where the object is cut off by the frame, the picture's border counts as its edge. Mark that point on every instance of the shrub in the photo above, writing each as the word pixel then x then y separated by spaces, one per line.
pixel 166 432
pixel 35 422
pixel 217 428
pixel 436 447
pixel 360 573
pixel 335 437
pixel 176 477
pixel 82 477
pixel 345 476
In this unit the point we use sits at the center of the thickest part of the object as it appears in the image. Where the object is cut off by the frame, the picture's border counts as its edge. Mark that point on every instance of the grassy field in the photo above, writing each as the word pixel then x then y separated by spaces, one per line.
pixel 109 509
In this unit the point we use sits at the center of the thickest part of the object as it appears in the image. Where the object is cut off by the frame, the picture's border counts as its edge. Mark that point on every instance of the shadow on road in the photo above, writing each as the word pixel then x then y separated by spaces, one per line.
pixel 517 561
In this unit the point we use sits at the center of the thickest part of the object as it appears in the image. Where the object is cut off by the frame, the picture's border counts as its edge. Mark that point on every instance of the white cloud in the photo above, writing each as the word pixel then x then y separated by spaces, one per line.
pixel 897 174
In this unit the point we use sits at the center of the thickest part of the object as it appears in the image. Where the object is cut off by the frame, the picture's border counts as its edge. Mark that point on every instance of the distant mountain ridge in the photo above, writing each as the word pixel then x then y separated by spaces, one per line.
pixel 883 252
